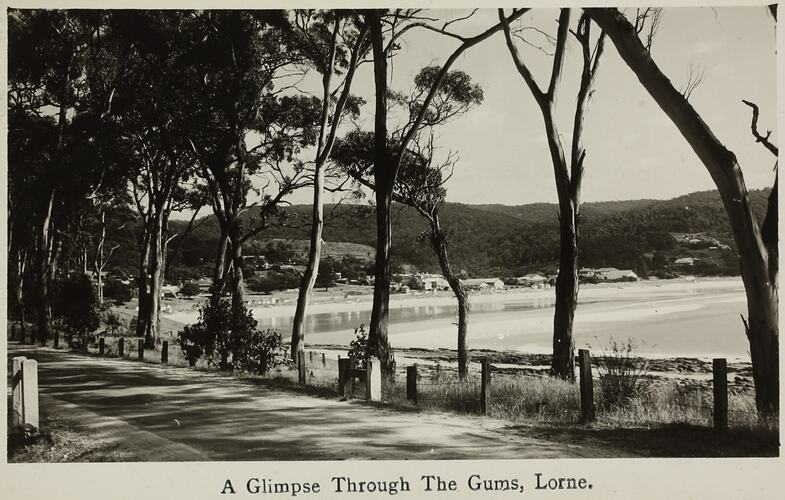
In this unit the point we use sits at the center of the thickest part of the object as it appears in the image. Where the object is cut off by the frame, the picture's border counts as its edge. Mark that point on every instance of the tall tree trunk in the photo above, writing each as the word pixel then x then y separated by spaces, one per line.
pixel 378 333
pixel 236 249
pixel 758 266
pixel 43 258
pixel 219 267
pixel 439 244
pixel 20 283
pixel 98 263
pixel 563 360
pixel 384 181
pixel 156 267
pixel 142 314
pixel 317 213
pixel 311 269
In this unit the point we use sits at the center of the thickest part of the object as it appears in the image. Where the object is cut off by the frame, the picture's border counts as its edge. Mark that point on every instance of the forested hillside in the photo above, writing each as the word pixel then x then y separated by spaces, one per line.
pixel 496 239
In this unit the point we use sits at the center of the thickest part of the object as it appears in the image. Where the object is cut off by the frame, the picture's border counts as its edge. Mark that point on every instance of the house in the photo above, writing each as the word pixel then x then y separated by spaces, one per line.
pixel 169 292
pixel 252 261
pixel 483 284
pixel 204 284
pixel 533 279
pixel 586 272
pixel 685 261
pixel 429 282
pixel 619 274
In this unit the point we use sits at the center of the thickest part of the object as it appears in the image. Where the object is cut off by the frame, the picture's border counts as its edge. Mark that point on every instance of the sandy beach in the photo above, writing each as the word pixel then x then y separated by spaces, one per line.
pixel 665 318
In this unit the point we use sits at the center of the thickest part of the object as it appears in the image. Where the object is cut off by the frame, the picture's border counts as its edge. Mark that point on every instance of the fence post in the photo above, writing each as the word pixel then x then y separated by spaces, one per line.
pixel 411 383
pixel 30 393
pixel 310 356
pixel 720 372
pixel 121 347
pixel 485 386
pixel 55 340
pixel 101 346
pixel 301 367
pixel 587 386
pixel 373 380
pixel 263 363
pixel 324 360
pixel 344 382
pixel 140 349
pixel 164 352
pixel 13 331
pixel 17 415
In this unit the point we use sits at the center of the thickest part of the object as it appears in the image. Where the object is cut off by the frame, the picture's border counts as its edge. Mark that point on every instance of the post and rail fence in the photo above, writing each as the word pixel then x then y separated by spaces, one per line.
pixel 348 372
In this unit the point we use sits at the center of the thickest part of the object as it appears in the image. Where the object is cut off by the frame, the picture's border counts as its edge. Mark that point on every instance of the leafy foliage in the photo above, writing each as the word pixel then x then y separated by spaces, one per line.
pixel 76 306
pixel 359 349
pixel 228 337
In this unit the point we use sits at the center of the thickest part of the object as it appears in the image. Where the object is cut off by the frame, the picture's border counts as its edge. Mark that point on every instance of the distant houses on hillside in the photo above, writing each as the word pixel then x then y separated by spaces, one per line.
pixel 483 284
pixel 533 280
pixel 608 274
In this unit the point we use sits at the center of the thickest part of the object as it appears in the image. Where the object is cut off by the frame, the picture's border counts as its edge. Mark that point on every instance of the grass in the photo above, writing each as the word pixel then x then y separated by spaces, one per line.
pixel 62 441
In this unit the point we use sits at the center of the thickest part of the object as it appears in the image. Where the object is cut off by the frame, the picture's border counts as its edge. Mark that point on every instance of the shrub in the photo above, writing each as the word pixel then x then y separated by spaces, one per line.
pixel 192 339
pixel 117 291
pixel 113 323
pixel 227 337
pixel 190 289
pixel 264 349
pixel 621 374
pixel 76 306
pixel 359 348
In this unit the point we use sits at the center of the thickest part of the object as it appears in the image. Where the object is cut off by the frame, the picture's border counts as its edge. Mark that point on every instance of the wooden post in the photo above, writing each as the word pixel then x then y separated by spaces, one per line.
pixel 587 386
pixel 310 356
pixel 164 352
pixel 411 383
pixel 720 371
pixel 55 340
pixel 485 386
pixel 373 380
pixel 17 414
pixel 13 331
pixel 345 384
pixel 30 393
pixel 324 360
pixel 101 346
pixel 121 348
pixel 263 363
pixel 140 349
pixel 85 341
pixel 301 367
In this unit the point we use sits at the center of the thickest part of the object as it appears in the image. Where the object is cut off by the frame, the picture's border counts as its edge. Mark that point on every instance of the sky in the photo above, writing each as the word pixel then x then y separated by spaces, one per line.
pixel 633 150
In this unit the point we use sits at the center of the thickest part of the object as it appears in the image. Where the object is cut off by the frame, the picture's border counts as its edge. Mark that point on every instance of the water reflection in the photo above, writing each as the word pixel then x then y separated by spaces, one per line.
pixel 410 311
pixel 401 313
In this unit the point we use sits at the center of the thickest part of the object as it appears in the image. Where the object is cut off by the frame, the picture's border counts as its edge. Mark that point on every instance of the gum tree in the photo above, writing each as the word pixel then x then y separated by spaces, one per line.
pixel 568 170
pixel 758 257
pixel 334 42
pixel 386 28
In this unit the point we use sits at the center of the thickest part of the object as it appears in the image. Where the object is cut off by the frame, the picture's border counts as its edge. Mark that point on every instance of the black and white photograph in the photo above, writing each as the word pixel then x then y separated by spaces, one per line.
pixel 459 241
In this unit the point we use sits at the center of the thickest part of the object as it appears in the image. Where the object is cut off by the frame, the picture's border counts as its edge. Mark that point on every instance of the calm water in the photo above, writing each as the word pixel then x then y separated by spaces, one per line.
pixel 693 322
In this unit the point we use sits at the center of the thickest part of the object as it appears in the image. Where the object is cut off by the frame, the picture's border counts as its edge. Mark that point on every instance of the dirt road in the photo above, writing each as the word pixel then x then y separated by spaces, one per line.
pixel 174 414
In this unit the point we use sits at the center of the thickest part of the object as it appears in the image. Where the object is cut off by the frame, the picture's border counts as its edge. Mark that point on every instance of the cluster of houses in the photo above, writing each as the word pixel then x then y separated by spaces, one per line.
pixel 537 280
pixel 436 282
pixel 700 240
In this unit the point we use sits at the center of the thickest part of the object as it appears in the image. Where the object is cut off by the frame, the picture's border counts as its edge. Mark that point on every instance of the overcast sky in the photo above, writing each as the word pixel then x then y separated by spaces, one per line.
pixel 633 150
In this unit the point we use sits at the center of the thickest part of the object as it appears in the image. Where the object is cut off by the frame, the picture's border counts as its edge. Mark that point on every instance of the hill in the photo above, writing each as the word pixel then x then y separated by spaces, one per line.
pixel 484 239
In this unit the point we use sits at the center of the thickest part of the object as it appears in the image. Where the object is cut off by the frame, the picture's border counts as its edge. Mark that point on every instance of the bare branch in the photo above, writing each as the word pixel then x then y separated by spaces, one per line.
pixel 757 135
